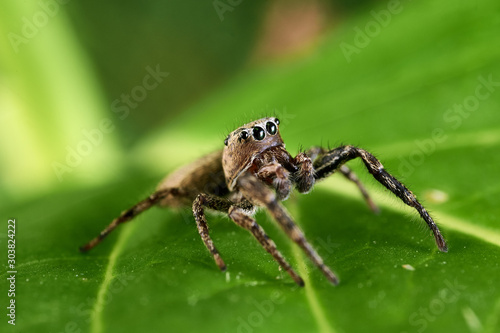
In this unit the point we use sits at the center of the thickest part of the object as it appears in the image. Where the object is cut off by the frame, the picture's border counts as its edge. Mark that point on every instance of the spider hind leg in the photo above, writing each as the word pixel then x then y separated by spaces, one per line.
pixel 132 212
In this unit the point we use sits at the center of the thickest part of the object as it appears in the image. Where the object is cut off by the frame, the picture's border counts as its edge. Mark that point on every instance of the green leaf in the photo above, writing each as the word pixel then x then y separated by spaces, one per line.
pixel 154 274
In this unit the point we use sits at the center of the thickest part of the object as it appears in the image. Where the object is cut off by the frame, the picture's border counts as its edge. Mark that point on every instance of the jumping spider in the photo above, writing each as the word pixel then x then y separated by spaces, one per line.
pixel 255 170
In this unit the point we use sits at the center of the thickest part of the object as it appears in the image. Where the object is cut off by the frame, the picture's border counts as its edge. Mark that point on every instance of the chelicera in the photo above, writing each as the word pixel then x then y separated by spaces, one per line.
pixel 255 170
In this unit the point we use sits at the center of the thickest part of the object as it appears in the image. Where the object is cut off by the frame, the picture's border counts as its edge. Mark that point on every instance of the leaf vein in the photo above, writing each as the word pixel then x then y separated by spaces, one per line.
pixel 319 315
pixel 96 325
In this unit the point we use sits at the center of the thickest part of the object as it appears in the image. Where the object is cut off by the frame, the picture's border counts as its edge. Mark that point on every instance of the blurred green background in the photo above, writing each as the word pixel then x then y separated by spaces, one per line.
pixel 98 101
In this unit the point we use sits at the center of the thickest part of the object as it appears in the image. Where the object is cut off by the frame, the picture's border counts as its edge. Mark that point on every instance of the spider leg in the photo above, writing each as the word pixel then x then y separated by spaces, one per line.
pixel 316 151
pixel 256 191
pixel 349 174
pixel 215 203
pixel 132 212
pixel 329 162
pixel 243 220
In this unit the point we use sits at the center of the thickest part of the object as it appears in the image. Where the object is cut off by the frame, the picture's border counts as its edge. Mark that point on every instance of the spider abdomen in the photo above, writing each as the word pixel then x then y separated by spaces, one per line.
pixel 204 175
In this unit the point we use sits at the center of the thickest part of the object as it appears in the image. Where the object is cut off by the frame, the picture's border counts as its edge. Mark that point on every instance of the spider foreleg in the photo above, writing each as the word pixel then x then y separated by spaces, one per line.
pixel 329 162
pixel 132 212
pixel 257 192
pixel 316 151
pixel 243 220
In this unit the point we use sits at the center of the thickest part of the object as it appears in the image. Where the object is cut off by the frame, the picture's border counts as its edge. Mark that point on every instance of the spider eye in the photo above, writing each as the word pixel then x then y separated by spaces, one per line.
pixel 277 121
pixel 244 135
pixel 271 128
pixel 226 140
pixel 258 133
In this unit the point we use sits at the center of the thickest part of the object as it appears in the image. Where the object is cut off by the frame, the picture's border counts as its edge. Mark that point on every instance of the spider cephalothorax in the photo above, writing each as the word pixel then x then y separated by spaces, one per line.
pixel 247 143
pixel 255 170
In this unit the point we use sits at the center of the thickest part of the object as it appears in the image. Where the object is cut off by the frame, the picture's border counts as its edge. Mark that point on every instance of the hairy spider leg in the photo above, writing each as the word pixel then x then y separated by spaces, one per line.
pixel 243 220
pixel 329 162
pixel 215 203
pixel 237 213
pixel 349 174
pixel 314 152
pixel 132 212
pixel 256 191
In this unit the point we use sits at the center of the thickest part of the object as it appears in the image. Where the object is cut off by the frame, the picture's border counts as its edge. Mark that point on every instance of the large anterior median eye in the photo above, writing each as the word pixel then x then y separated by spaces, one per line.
pixel 259 133
pixel 271 128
